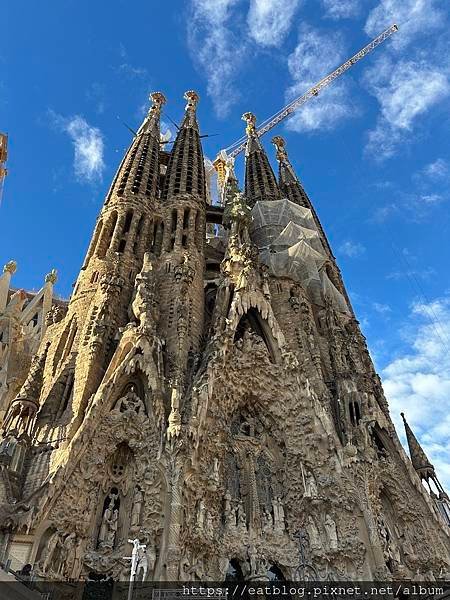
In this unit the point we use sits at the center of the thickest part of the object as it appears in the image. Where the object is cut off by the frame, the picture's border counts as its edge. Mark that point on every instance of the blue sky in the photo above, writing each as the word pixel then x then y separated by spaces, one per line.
pixel 372 151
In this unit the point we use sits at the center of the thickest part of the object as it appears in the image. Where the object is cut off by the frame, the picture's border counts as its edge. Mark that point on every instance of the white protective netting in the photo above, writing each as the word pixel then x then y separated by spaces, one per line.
pixel 289 244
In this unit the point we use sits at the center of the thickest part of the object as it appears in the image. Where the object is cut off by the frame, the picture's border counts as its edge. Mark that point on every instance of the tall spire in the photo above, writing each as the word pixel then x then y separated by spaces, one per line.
pixel 418 457
pixel 289 184
pixel 292 189
pixel 260 180
pixel 186 171
pixel 139 171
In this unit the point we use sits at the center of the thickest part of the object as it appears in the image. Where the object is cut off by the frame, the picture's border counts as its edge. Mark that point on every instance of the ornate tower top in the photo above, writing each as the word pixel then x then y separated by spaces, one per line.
pixel 280 145
pixel 186 171
pixel 10 267
pixel 193 99
pixel 418 457
pixel 158 100
pixel 139 171
pixel 52 277
pixel 250 119
pixel 260 180
pixel 289 184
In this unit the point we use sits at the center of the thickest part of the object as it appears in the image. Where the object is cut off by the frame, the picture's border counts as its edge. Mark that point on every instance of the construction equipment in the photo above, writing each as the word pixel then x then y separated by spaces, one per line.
pixel 226 157
pixel 3 157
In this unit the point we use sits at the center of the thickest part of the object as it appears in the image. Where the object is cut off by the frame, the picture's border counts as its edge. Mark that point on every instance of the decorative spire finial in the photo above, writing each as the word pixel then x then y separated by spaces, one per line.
pixel 158 100
pixel 192 100
pixel 250 119
pixel 418 457
pixel 280 145
pixel 52 277
pixel 10 267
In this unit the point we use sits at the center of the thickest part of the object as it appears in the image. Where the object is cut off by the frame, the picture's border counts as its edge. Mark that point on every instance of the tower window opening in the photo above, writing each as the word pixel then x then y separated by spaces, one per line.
pixel 122 244
pixel 138 233
pixel 127 224
pixel 95 277
pixel 355 412
pixel 173 229
pixel 107 235
pixel 186 214
pixel 95 241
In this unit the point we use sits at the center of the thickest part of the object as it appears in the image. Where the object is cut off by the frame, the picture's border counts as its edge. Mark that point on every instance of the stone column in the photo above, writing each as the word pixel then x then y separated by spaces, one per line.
pixel 8 270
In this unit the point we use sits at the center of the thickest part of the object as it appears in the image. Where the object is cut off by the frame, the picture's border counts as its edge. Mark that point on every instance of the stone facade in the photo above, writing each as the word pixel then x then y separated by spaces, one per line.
pixel 212 397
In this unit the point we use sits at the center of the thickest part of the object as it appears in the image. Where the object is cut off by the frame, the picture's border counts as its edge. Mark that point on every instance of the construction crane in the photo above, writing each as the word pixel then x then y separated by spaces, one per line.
pixel 3 157
pixel 226 157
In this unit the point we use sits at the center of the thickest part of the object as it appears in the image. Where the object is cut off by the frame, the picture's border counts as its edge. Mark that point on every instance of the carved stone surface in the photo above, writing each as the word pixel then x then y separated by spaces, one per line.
pixel 249 439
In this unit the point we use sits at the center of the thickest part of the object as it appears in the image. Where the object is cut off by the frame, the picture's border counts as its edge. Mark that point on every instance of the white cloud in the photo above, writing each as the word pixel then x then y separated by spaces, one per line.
pixel 439 169
pixel 418 381
pixel 351 249
pixel 218 50
pixel 405 90
pixel 414 17
pixel 382 309
pixel 341 9
pixel 411 274
pixel 88 146
pixel 412 76
pixel 314 57
pixel 270 20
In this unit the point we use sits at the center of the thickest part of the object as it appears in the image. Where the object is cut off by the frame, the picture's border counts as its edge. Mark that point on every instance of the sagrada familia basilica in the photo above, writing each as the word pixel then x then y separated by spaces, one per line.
pixel 207 391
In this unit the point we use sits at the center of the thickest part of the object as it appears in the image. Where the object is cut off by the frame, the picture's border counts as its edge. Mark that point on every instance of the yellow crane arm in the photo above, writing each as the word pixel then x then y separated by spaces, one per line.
pixel 232 151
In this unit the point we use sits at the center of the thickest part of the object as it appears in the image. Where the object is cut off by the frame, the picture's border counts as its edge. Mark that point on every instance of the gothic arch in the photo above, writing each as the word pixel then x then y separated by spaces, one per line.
pixel 252 321
pixel 134 394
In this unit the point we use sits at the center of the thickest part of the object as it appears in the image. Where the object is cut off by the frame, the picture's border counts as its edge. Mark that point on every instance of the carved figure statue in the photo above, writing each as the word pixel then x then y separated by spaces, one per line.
pixel 113 527
pixel 109 524
pixel 131 401
pixel 330 528
pixel 67 555
pixel 310 486
pixel 278 514
pixel 267 520
pixel 313 534
pixel 77 560
pixel 52 543
pixel 201 514
pixel 241 517
pixel 142 562
pixel 228 510
pixel 137 507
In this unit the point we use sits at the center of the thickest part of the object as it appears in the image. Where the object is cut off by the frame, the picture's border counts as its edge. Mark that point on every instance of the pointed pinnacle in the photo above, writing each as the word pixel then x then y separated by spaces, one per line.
pixel 158 100
pixel 192 99
pixel 419 459
pixel 250 119
pixel 280 145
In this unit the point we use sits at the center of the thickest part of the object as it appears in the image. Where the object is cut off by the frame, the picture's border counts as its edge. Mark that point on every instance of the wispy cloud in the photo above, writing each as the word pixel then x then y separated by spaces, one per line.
pixel 382 309
pixel 411 77
pixel 315 55
pixel 405 90
pixel 414 17
pixel 216 49
pixel 437 170
pixel 87 143
pixel 126 69
pixel 352 249
pixel 418 381
pixel 221 33
pixel 341 9
pixel 270 20
pixel 411 273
